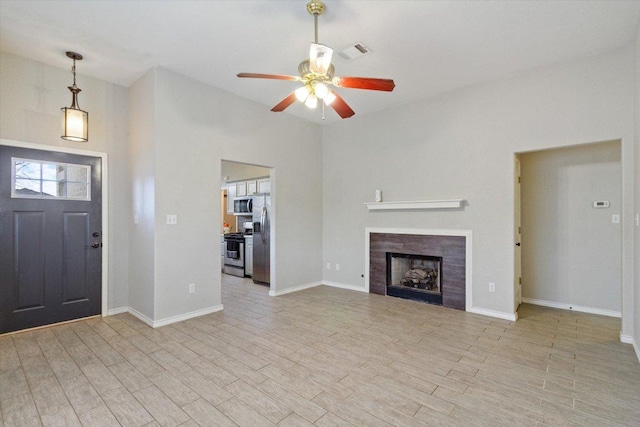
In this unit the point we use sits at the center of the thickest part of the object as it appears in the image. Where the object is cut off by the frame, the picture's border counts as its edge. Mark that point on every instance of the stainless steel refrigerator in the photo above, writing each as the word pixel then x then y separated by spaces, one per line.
pixel 261 238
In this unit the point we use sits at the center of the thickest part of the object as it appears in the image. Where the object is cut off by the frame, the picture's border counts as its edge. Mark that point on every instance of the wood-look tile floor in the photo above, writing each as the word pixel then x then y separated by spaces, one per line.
pixel 323 357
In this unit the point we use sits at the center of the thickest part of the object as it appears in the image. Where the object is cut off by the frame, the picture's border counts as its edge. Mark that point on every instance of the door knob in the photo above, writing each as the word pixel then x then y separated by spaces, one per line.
pixel 96 245
pixel 518 244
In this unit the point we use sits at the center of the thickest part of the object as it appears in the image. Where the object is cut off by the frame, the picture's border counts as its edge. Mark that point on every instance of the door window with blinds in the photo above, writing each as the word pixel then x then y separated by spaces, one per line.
pixel 36 179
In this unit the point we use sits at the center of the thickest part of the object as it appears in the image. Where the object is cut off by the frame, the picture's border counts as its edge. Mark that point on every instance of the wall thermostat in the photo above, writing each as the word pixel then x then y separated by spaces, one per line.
pixel 599 204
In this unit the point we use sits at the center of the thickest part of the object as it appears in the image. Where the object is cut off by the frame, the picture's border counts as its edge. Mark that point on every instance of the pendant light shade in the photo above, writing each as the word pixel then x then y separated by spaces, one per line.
pixel 75 122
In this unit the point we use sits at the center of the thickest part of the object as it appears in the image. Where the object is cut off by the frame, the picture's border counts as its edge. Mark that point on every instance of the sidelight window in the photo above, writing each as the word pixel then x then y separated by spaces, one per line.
pixel 37 179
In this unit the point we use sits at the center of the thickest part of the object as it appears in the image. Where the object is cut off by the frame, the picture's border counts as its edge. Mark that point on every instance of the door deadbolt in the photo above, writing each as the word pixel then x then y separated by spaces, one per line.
pixel 95 234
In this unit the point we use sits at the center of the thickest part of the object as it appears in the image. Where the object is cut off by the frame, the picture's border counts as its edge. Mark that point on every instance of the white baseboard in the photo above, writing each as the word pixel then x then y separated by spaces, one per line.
pixel 628 339
pixel 166 321
pixel 345 286
pixel 186 316
pixel 492 313
pixel 118 310
pixel 140 316
pixel 294 289
pixel 579 308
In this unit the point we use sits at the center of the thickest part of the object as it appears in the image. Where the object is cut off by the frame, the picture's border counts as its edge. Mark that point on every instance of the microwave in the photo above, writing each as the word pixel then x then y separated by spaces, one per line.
pixel 242 205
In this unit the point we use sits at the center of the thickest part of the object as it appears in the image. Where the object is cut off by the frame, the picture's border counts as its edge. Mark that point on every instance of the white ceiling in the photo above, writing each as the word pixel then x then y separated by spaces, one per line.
pixel 427 47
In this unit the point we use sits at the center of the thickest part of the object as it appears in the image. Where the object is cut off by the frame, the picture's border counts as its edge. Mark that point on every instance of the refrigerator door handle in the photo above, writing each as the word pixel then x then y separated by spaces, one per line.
pixel 263 218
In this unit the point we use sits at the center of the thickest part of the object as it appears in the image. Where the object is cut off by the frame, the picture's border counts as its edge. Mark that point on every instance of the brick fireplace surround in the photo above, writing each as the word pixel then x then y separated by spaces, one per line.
pixel 454 246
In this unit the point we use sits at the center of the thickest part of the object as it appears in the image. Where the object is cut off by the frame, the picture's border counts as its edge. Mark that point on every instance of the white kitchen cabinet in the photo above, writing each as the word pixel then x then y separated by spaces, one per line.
pixel 231 194
pixel 252 188
pixel 248 255
pixel 264 186
pixel 241 189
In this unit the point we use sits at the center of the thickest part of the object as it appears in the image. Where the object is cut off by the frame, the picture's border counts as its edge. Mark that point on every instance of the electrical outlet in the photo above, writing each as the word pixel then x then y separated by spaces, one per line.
pixel 192 288
pixel 492 287
pixel 328 266
pixel 172 219
pixel 337 266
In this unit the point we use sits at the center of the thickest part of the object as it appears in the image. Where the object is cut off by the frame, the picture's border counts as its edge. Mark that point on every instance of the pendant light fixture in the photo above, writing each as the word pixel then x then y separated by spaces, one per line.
pixel 75 122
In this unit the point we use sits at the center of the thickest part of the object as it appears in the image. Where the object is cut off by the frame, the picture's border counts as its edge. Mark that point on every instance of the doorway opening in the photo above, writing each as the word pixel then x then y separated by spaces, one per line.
pixel 571 239
pixel 247 227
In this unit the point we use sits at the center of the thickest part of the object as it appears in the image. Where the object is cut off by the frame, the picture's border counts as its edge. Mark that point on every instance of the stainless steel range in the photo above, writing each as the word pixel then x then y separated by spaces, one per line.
pixel 234 254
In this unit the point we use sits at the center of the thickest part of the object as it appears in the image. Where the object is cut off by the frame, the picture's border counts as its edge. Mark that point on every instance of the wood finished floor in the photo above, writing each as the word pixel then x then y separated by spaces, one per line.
pixel 323 357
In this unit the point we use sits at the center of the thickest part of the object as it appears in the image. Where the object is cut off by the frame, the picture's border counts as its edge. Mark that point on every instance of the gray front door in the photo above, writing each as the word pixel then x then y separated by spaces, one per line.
pixel 50 237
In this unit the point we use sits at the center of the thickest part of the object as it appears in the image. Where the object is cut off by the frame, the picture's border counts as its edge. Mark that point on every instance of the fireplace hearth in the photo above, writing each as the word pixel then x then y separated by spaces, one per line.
pixel 414 276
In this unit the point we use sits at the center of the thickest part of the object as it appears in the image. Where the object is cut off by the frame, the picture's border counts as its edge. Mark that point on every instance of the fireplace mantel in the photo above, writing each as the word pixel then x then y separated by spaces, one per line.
pixel 412 205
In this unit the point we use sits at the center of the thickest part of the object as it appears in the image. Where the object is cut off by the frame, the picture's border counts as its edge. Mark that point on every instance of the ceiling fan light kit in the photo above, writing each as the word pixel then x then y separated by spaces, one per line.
pixel 317 73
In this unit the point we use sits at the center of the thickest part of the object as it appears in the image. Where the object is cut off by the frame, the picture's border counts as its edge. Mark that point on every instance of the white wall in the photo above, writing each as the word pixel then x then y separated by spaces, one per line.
pixel 461 145
pixel 571 252
pixel 636 331
pixel 181 131
pixel 196 126
pixel 142 218
pixel 31 95
pixel 242 171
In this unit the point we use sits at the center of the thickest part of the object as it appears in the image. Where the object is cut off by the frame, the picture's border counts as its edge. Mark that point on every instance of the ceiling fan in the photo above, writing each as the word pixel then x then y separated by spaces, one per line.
pixel 317 75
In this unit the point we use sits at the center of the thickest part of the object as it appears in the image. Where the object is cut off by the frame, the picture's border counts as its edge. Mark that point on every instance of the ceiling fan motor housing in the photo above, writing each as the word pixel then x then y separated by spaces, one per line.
pixel 304 69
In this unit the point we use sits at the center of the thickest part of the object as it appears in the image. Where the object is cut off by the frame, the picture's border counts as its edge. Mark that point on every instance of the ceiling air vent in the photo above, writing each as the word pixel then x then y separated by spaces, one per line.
pixel 353 51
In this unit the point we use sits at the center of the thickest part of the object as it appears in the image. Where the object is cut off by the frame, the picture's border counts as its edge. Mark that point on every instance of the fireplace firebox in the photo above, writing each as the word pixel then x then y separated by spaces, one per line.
pixel 416 277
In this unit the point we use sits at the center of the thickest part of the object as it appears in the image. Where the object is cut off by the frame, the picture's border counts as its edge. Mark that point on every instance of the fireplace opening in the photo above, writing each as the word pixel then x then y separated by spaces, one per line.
pixel 416 277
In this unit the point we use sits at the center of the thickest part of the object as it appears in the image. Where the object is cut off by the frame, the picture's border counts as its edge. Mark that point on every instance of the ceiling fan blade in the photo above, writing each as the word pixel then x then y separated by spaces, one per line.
pixel 285 103
pixel 341 107
pixel 367 83
pixel 268 76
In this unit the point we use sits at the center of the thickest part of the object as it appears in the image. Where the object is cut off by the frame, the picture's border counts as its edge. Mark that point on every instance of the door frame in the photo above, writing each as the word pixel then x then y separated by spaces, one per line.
pixel 272 234
pixel 517 232
pixel 105 203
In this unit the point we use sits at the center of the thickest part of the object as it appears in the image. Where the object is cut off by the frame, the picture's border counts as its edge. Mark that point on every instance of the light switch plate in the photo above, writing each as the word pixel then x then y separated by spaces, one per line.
pixel 172 219
pixel 615 219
